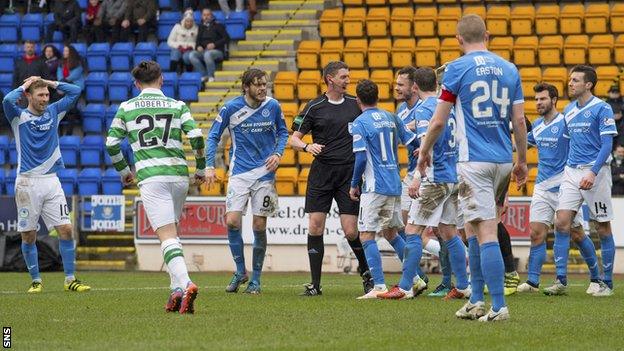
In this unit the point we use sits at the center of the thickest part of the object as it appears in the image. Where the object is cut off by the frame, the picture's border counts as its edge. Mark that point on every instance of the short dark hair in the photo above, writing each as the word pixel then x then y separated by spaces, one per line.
pixel 250 75
pixel 425 78
pixel 552 90
pixel 409 71
pixel 589 74
pixel 367 92
pixel 147 72
pixel 332 68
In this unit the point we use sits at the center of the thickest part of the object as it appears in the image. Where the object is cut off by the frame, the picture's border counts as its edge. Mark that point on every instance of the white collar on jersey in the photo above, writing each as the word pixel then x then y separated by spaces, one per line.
pixel 151 91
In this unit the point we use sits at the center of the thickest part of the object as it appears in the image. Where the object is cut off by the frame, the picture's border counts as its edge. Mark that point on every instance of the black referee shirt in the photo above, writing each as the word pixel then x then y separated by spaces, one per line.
pixel 329 124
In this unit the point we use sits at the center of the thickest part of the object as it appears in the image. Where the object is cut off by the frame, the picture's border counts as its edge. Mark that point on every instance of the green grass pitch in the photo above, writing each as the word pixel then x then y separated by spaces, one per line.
pixel 124 311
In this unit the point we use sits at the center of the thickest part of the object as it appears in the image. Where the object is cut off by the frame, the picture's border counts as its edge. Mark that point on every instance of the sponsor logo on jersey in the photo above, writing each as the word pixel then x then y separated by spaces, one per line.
pixel 265 113
pixel 554 129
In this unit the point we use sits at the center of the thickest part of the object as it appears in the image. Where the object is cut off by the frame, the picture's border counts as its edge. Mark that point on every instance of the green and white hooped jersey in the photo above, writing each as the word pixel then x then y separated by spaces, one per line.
pixel 153 124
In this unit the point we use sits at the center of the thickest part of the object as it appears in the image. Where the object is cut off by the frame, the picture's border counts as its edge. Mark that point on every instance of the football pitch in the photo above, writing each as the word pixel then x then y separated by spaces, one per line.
pixel 124 311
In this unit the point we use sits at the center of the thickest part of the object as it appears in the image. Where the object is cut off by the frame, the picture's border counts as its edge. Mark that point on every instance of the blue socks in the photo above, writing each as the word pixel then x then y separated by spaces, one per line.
pixel 398 244
pixel 402 234
pixel 457 258
pixel 588 251
pixel 413 253
pixel 493 270
pixel 607 248
pixel 561 250
pixel 236 247
pixel 445 264
pixel 31 257
pixel 476 277
pixel 68 254
pixel 373 258
pixel 259 251
pixel 537 256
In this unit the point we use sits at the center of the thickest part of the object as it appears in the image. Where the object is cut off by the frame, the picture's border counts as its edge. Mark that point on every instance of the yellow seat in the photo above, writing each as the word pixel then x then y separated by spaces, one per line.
pixel 403 52
pixel 302 181
pixel 574 49
pixel 288 158
pixel 307 54
pixel 353 22
pixel 284 85
pixel 530 110
pixel 525 49
pixel 596 18
pixel 286 180
pixel 289 109
pixel 571 20
pixel 532 176
pixel 532 156
pixel 305 158
pixel 377 22
pixel 619 49
pixel 449 50
pixel 502 46
pixel 522 20
pixel 600 48
pixel 401 25
pixel 402 155
pixel 384 80
pixel 561 104
pixel 379 53
pixel 354 53
pixel 330 23
pixel 622 83
pixel 331 51
pixel 529 77
pixel 557 76
pixel 607 76
pixel 478 10
pixel 447 20
pixel 513 190
pixel 217 188
pixel 617 18
pixel 498 19
pixel 375 2
pixel 546 19
pixel 347 3
pixel 387 105
pixel 427 52
pixel 425 19
pixel 550 48
pixel 399 2
pixel 308 84
pixel 354 77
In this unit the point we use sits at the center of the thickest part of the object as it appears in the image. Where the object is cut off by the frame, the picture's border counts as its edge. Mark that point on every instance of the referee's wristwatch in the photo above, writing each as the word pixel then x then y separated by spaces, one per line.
pixel 305 148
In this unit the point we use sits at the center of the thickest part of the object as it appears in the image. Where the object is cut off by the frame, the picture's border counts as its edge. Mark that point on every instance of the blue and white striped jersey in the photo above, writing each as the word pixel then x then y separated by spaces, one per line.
pixel 552 142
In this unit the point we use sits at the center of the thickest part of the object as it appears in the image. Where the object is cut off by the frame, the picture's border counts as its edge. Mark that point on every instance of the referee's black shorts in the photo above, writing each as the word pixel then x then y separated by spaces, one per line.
pixel 327 182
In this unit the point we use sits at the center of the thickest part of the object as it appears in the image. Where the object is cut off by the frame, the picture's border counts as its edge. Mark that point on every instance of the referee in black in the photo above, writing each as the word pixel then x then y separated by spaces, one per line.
pixel 328 118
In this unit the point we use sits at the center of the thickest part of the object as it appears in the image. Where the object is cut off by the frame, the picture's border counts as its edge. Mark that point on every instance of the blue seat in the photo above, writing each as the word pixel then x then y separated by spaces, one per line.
pixel 93 116
pixel 111 110
pixel 4 148
pixel 164 4
pixel 68 178
pixel 9 182
pixel 86 215
pixel 219 16
pixel 91 149
pixel 170 83
pixel 144 51
pixel 97 57
pixel 80 47
pixel 6 82
pixel 32 24
pixel 119 84
pixel 95 86
pixel 111 182
pixel 89 181
pixel 7 57
pixel 9 24
pixel 69 145
pixel 163 56
pixel 12 153
pixel 236 24
pixel 57 36
pixel 83 4
pixel 166 22
pixel 2 187
pixel 120 56
pixel 188 86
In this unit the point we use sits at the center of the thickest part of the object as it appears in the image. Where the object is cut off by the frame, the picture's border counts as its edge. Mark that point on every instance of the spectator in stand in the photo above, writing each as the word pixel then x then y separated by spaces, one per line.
pixel 141 15
pixel 210 46
pixel 70 70
pixel 617 171
pixel 225 7
pixel 109 17
pixel 91 15
pixel 182 40
pixel 29 65
pixel 66 19
pixel 617 105
pixel 52 58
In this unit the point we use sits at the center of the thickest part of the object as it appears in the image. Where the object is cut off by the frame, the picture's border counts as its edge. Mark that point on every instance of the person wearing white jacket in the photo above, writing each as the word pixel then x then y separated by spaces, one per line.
pixel 182 40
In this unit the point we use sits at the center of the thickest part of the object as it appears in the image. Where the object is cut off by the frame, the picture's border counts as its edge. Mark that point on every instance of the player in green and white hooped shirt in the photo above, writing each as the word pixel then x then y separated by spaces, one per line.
pixel 153 124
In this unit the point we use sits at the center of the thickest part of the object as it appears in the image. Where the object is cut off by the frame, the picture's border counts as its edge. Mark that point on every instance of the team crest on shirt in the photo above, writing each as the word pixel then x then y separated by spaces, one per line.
pixel 587 114
pixel 609 122
pixel 350 128
pixel 357 137
pixel 554 129
pixel 265 113
pixel 23 213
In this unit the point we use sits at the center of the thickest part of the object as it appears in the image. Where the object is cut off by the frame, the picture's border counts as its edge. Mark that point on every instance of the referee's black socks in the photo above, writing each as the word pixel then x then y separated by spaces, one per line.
pixel 316 250
pixel 505 246
pixel 358 250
